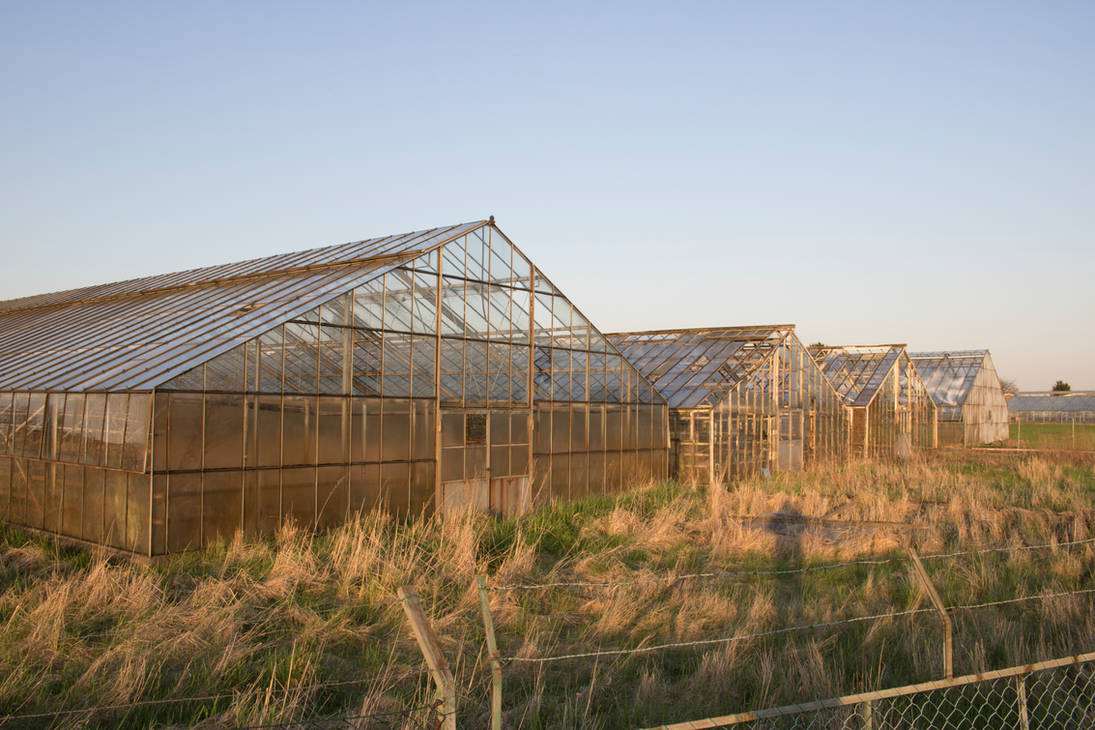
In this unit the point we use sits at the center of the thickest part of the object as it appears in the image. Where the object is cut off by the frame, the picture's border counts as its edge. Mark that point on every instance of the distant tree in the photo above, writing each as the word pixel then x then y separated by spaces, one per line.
pixel 818 344
pixel 1009 387
pixel 1061 387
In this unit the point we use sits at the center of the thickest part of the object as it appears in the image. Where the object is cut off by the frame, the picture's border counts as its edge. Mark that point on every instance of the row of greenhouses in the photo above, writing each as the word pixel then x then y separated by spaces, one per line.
pixel 421 373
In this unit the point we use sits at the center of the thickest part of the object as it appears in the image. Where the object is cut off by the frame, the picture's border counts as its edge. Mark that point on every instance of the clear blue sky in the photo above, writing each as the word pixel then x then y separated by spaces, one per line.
pixel 874 172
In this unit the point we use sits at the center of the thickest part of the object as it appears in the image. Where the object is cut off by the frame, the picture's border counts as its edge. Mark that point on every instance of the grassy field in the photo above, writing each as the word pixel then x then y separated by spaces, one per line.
pixel 306 626
pixel 1054 436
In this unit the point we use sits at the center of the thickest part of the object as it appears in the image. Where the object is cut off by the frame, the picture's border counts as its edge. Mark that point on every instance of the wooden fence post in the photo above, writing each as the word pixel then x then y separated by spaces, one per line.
pixel 1021 696
pixel 435 659
pixel 492 652
pixel 948 656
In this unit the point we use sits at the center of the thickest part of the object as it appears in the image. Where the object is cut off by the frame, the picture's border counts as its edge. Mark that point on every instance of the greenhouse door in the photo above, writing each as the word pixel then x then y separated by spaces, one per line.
pixel 485 461
pixel 790 441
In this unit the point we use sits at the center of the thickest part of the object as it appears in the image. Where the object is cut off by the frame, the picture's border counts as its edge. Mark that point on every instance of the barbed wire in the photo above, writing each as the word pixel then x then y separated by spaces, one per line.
pixel 774 632
pixel 669 579
pixel 174 701
pixel 709 642
pixel 687 576
pixel 347 718
pixel 1008 549
pixel 325 612
pixel 1040 596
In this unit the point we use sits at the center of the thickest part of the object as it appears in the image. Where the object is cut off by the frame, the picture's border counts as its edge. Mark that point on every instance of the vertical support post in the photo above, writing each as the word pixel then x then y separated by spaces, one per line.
pixel 866 713
pixel 948 655
pixel 1019 428
pixel 435 659
pixel 492 653
pixel 1021 694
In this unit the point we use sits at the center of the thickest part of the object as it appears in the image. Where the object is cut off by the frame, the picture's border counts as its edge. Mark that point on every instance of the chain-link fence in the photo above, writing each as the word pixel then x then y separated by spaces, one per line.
pixel 1054 694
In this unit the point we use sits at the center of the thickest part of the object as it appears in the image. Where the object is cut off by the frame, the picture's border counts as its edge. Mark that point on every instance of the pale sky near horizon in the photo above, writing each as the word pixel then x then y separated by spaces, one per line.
pixel 919 173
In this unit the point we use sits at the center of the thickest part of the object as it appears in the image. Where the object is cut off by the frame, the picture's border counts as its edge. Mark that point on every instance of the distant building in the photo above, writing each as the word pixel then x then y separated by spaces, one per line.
pixel 892 411
pixel 967 392
pixel 1054 407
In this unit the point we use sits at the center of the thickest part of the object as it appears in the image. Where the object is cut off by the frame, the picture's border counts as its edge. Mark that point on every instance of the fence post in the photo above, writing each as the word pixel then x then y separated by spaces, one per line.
pixel 1019 434
pixel 1021 693
pixel 435 659
pixel 866 713
pixel 492 653
pixel 948 657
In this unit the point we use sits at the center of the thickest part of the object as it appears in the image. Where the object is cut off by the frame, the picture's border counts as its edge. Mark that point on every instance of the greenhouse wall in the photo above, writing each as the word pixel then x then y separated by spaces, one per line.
pixel 76 464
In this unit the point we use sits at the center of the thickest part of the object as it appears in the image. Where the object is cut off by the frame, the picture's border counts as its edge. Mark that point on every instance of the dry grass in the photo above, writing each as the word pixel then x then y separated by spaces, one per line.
pixel 268 627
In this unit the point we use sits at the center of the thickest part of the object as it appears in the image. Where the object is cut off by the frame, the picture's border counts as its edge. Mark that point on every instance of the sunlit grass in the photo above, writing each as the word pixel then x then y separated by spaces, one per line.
pixel 271 623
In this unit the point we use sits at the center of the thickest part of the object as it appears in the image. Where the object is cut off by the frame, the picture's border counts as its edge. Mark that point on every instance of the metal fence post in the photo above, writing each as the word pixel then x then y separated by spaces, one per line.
pixel 492 652
pixel 435 659
pixel 1021 694
pixel 948 655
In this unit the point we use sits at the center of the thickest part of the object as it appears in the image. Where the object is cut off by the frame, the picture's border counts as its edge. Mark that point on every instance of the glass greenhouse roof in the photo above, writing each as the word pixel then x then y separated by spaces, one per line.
pixel 857 371
pixel 949 376
pixel 697 367
pixel 137 334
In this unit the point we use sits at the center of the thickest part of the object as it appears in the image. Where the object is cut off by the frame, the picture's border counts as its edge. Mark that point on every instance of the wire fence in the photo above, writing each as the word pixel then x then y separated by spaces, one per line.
pixel 946 709
pixel 950 702
pixel 1058 693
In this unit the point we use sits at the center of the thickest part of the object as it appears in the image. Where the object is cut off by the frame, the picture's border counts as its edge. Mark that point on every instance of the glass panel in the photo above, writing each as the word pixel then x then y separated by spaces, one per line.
pixel 396 429
pixel 5 488
pixel 137 513
pixel 114 508
pixel 299 431
pixel 395 487
pixel 333 345
pixel 424 366
pixel 135 447
pixel 334 429
pixel 117 413
pixel 6 412
pixel 94 497
pixel 226 372
pixel 299 496
pixel 332 493
pixel 364 487
pixel 32 426
pixel 72 430
pixel 223 432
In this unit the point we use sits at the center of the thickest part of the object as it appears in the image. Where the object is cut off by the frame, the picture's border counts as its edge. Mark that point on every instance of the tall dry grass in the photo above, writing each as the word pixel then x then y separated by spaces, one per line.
pixel 307 626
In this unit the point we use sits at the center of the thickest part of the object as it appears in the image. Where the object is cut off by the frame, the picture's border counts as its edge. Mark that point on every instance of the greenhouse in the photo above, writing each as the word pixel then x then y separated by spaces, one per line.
pixel 430 371
pixel 971 406
pixel 742 400
pixel 1076 406
pixel 892 412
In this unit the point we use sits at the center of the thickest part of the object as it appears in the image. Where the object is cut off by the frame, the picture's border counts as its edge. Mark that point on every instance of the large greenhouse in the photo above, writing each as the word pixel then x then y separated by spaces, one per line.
pixel 430 371
pixel 971 406
pixel 742 399
pixel 892 411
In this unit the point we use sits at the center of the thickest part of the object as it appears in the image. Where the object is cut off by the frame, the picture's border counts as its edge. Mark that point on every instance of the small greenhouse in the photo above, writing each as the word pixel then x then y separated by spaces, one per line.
pixel 742 399
pixel 971 406
pixel 892 411
pixel 429 371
